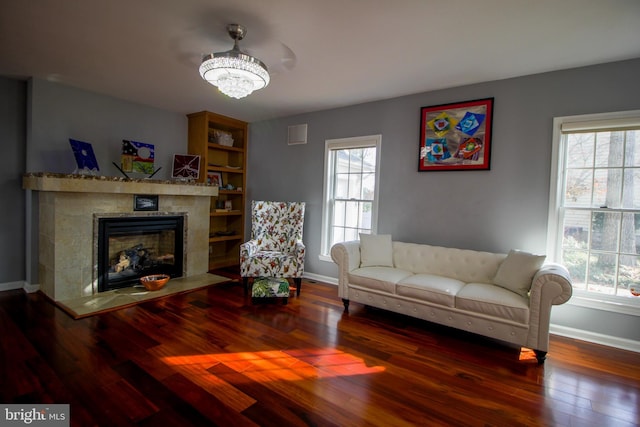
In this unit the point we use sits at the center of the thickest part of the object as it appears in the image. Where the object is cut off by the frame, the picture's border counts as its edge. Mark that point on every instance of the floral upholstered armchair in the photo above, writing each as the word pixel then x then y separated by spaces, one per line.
pixel 275 248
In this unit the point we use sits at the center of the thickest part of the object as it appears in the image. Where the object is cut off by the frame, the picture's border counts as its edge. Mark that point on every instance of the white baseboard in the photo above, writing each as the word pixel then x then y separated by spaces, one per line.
pixel 31 288
pixel 20 284
pixel 321 278
pixel 594 337
pixel 9 286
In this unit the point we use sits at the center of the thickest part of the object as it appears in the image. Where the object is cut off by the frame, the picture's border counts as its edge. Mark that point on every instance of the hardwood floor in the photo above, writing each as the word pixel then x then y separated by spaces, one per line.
pixel 210 357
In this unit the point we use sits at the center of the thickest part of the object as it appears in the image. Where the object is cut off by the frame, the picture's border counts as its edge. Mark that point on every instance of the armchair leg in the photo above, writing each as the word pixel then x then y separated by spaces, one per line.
pixel 298 282
pixel 245 284
pixel 345 302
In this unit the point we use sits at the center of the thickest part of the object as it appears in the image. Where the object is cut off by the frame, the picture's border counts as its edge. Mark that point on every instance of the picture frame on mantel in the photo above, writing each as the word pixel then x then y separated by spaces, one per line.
pixel 145 202
pixel 456 136
pixel 186 167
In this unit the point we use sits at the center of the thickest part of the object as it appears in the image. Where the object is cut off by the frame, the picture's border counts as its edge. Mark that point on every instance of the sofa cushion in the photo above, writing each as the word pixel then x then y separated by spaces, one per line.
pixel 494 301
pixel 381 278
pixel 517 270
pixel 429 287
pixel 376 250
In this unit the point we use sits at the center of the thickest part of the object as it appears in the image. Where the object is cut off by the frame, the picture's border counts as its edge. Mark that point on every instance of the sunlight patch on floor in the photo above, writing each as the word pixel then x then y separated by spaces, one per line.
pixel 290 365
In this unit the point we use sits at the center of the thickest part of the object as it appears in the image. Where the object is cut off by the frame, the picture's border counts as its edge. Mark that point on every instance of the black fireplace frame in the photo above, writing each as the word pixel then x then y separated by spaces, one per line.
pixel 113 226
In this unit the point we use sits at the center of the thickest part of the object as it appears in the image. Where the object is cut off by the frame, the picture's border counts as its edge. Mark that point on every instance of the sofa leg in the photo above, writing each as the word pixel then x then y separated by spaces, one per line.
pixel 245 284
pixel 298 282
pixel 541 356
pixel 345 302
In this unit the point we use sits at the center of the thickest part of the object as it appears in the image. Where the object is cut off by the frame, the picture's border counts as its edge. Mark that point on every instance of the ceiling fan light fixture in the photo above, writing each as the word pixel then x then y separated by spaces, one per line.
pixel 233 72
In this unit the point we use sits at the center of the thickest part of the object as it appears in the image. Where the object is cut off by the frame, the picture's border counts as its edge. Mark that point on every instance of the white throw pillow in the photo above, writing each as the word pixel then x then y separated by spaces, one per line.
pixel 517 270
pixel 376 250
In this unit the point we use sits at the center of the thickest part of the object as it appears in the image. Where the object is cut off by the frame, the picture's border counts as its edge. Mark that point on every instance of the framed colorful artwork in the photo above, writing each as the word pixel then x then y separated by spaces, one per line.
pixel 186 166
pixel 137 157
pixel 456 136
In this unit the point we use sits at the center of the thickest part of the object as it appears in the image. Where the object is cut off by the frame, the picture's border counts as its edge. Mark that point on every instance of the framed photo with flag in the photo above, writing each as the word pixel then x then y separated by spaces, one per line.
pixel 456 136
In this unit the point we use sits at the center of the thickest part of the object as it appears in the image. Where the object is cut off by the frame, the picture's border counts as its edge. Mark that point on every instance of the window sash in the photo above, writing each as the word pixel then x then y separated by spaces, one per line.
pixel 354 192
pixel 622 207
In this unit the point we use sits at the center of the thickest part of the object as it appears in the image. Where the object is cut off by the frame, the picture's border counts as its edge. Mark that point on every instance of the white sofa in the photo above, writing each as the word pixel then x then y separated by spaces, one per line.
pixel 506 297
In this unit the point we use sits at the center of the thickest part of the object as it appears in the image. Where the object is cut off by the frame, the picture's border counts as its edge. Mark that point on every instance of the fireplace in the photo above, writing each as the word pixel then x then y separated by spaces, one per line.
pixel 68 208
pixel 130 247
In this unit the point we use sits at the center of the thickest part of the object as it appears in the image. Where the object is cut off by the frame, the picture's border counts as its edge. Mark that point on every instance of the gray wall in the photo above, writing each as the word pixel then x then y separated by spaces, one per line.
pixel 503 208
pixel 12 166
pixel 59 112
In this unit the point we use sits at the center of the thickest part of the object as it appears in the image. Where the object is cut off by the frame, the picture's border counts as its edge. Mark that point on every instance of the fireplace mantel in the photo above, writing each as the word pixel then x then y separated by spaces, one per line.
pixel 68 206
pixel 106 184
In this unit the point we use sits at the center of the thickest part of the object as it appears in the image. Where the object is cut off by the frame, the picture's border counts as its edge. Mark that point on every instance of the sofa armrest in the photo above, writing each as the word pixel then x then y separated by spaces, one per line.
pixel 347 256
pixel 556 275
pixel 551 286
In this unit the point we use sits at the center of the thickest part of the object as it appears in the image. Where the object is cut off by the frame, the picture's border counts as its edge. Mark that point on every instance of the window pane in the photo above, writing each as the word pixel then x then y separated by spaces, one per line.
pixel 337 235
pixel 339 213
pixel 602 273
pixel 631 189
pixel 576 263
pixel 351 234
pixel 607 186
pixel 580 150
pixel 632 153
pixel 576 229
pixel 578 187
pixel 609 149
pixel 629 274
pixel 355 160
pixel 369 159
pixel 355 186
pixel 630 237
pixel 351 214
pixel 368 186
pixel 605 228
pixel 341 186
pixel 365 215
pixel 342 161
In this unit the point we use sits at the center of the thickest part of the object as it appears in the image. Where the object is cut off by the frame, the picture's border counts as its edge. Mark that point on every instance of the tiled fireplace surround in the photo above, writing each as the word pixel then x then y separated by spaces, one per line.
pixel 69 206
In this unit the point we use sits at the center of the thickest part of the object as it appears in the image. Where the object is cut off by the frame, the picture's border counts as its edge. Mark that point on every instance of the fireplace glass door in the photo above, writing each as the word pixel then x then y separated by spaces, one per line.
pixel 132 247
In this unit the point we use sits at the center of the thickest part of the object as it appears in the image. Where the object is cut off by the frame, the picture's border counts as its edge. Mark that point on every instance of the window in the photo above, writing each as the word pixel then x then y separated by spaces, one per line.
pixel 594 218
pixel 350 202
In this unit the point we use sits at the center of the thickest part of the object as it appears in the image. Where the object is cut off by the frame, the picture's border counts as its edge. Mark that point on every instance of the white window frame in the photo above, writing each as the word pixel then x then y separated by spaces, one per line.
pixel 582 298
pixel 339 144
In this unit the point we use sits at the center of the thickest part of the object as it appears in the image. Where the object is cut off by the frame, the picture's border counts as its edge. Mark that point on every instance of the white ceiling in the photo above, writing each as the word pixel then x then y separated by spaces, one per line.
pixel 321 53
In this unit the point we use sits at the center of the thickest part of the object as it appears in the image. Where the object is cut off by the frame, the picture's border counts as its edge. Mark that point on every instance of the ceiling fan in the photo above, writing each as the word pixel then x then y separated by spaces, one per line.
pixel 237 73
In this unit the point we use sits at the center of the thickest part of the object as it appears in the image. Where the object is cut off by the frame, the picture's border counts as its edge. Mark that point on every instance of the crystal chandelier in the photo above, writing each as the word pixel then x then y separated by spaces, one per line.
pixel 233 72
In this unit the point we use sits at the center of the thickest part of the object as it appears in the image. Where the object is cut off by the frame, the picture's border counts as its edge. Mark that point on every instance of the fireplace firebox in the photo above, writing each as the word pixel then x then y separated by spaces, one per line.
pixel 135 246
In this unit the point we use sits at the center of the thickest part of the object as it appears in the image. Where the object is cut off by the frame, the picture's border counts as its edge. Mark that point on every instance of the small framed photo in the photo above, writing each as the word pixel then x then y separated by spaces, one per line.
pixel 228 205
pixel 215 179
pixel 145 202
